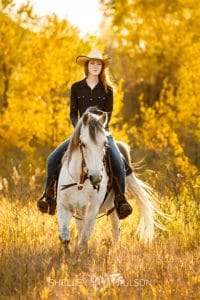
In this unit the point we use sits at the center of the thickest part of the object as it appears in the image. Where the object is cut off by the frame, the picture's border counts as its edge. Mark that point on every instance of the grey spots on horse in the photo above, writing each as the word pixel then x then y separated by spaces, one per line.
pixel 64 234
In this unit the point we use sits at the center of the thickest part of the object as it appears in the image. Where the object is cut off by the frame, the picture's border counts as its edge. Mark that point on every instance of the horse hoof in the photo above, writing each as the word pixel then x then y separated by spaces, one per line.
pixel 82 250
pixel 65 244
pixel 66 248
pixel 67 251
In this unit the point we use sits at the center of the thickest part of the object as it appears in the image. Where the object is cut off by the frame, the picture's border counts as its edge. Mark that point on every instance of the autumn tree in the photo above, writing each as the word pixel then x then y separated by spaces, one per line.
pixel 38 67
pixel 154 45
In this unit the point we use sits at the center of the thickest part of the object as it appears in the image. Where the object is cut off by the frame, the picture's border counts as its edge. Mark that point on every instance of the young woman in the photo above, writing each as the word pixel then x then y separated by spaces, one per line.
pixel 93 90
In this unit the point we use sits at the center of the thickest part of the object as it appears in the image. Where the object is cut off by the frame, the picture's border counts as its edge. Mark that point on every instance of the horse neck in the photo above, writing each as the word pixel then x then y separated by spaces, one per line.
pixel 75 164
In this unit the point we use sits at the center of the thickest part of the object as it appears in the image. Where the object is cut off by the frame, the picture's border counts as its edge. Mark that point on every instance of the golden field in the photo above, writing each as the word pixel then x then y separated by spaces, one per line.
pixel 33 265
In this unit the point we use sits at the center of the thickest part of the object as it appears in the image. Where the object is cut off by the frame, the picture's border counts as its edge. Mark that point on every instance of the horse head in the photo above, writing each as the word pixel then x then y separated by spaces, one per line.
pixel 90 136
pixel 93 143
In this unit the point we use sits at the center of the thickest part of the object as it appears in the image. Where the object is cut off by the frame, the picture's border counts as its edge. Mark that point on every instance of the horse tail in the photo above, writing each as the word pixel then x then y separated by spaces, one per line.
pixel 148 205
pixel 147 201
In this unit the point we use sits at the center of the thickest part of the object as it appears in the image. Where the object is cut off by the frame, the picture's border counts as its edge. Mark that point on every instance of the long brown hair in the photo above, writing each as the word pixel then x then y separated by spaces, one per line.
pixel 104 76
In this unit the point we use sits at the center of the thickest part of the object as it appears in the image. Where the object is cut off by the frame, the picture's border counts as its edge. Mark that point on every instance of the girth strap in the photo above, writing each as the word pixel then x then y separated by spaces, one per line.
pixel 106 214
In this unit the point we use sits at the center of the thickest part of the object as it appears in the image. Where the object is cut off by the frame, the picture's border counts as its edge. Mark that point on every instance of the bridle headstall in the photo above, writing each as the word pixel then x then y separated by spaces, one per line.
pixel 83 175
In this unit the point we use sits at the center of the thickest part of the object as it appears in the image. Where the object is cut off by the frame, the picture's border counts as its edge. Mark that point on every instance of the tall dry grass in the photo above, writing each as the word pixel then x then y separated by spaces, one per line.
pixel 33 266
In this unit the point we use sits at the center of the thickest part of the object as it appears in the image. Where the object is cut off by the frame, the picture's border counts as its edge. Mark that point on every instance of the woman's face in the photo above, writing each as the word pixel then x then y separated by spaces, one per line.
pixel 94 67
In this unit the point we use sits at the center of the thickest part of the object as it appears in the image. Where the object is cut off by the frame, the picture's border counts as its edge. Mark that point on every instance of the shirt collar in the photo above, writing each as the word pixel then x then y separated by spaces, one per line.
pixel 84 83
pixel 99 84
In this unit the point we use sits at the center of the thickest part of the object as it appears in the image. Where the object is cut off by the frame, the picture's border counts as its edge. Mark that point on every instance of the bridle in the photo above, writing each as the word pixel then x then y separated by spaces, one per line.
pixel 84 171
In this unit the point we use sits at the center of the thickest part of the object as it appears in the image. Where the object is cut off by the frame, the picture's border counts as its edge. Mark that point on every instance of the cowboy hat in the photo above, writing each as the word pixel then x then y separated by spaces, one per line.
pixel 94 54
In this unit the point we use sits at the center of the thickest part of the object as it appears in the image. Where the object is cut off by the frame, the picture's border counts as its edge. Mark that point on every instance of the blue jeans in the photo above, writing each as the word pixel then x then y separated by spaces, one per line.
pixel 54 159
pixel 117 164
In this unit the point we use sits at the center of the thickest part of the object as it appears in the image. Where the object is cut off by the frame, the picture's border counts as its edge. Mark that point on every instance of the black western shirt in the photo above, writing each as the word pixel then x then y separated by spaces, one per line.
pixel 83 97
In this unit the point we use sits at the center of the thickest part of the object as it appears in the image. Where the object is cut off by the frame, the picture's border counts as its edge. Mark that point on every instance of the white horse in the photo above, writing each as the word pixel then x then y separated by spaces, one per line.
pixel 83 181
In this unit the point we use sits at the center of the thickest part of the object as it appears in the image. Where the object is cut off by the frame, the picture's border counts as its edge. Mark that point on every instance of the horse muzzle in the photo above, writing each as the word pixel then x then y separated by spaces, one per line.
pixel 95 179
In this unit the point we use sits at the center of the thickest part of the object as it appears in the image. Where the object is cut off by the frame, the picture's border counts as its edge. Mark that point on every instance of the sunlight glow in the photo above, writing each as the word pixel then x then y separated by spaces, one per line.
pixel 84 14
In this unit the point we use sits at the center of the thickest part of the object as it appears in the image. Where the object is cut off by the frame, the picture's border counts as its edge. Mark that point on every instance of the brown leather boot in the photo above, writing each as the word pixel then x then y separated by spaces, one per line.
pixel 42 204
pixel 47 203
pixel 123 208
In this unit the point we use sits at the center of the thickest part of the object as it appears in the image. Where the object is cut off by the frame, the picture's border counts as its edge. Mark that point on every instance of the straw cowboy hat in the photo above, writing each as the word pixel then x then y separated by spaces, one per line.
pixel 94 54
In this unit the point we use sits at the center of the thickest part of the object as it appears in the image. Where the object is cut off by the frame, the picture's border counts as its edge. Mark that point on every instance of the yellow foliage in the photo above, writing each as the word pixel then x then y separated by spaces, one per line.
pixel 154 49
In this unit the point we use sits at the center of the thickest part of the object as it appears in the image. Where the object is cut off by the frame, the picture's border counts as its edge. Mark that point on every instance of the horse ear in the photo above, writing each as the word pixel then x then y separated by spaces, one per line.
pixel 104 118
pixel 85 118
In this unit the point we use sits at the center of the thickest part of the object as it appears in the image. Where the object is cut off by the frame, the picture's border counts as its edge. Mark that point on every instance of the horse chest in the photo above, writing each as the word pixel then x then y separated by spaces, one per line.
pixel 79 199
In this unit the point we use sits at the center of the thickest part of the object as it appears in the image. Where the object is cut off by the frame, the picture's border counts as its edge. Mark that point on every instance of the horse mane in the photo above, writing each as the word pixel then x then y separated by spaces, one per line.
pixel 95 126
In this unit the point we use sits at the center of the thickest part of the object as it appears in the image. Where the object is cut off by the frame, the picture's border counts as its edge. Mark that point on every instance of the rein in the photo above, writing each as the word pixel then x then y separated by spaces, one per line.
pixel 105 214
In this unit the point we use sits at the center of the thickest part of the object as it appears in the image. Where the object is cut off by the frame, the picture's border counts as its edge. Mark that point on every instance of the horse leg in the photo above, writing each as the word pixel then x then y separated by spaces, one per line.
pixel 79 226
pixel 115 226
pixel 64 217
pixel 89 221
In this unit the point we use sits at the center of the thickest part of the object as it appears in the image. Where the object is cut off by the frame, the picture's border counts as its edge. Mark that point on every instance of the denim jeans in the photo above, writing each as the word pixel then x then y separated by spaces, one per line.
pixel 54 159
pixel 117 164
